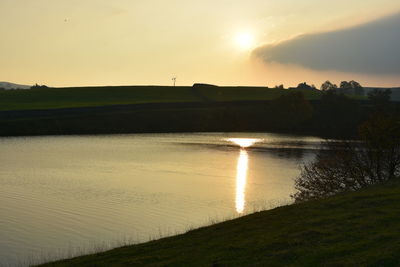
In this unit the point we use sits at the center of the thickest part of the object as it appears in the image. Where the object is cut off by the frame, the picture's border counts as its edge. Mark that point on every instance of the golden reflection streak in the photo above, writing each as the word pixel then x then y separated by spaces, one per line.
pixel 242 167
pixel 241 180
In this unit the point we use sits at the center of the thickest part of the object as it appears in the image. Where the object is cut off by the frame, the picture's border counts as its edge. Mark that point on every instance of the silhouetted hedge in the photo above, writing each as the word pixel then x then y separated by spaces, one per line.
pixel 332 116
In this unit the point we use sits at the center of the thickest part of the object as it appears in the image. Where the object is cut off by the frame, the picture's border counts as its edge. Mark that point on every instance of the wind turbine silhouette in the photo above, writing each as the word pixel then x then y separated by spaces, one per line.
pixel 174 80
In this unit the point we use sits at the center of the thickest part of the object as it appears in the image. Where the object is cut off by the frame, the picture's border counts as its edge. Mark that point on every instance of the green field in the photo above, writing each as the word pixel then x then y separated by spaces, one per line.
pixel 353 229
pixel 51 98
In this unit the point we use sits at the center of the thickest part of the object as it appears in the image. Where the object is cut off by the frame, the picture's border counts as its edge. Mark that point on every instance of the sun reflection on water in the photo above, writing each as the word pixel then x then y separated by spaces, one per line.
pixel 241 180
pixel 241 171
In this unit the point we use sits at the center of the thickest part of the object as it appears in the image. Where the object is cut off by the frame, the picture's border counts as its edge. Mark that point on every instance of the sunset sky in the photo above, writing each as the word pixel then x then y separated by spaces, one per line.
pixel 224 42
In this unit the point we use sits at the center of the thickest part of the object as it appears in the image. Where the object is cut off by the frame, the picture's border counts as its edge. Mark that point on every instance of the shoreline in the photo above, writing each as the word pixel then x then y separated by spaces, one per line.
pixel 340 230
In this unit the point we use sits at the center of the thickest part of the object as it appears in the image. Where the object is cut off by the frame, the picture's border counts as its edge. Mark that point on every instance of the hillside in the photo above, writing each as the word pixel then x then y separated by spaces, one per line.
pixel 73 97
pixel 353 229
pixel 10 86
pixel 53 98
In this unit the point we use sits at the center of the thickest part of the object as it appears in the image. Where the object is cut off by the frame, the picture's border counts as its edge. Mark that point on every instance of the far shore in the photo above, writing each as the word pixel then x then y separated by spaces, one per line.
pixel 164 109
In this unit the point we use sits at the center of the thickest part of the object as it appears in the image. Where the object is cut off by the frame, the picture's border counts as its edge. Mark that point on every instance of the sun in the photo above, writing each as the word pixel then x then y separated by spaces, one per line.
pixel 244 40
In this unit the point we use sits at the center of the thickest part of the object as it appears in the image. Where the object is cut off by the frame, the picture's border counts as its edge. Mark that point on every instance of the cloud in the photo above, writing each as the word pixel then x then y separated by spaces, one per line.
pixel 371 48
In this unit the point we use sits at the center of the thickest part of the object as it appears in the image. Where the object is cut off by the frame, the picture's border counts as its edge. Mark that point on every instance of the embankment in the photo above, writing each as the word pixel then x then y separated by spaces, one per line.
pixel 353 229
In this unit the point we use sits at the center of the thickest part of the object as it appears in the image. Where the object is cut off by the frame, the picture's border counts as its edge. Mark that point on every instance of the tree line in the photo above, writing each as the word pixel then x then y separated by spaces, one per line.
pixel 346 87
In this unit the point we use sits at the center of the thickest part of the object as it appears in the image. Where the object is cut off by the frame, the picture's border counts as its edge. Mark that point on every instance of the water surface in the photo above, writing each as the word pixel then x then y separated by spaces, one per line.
pixel 61 196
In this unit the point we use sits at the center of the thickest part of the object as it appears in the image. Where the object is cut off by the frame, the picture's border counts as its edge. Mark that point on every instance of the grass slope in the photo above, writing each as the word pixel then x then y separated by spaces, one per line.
pixel 354 229
pixel 51 98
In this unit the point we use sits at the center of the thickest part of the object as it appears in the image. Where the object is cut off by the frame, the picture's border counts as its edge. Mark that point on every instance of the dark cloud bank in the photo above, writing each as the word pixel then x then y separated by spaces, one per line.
pixel 372 48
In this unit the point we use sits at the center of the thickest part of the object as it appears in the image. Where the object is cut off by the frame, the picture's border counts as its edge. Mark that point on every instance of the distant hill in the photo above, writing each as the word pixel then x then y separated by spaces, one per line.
pixel 11 86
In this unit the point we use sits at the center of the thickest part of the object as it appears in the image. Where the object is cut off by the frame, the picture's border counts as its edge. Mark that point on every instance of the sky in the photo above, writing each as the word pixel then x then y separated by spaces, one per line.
pixel 223 42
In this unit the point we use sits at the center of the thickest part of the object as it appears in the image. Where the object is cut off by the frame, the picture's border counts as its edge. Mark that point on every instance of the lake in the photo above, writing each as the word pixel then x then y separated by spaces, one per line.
pixel 67 195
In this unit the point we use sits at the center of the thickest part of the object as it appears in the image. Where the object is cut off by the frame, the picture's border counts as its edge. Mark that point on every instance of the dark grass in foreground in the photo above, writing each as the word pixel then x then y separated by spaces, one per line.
pixel 353 229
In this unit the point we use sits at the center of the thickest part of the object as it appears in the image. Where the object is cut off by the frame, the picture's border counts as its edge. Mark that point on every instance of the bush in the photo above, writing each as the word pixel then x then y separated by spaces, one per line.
pixel 349 166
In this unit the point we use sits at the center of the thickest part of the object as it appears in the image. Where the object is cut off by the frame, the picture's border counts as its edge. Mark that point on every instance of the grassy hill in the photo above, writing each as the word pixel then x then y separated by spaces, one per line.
pixel 72 97
pixel 52 98
pixel 353 229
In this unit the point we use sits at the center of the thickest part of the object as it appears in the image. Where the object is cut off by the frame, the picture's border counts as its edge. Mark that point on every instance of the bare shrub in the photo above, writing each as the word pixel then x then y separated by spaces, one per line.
pixel 349 166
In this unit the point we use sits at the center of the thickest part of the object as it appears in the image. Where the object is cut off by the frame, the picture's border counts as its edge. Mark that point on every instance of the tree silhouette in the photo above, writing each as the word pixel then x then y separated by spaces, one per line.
pixel 328 86
pixel 357 88
pixel 351 87
pixel 345 85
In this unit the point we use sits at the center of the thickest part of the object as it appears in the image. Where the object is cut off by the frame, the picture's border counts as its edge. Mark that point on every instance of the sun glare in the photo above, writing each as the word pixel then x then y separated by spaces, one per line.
pixel 244 142
pixel 244 40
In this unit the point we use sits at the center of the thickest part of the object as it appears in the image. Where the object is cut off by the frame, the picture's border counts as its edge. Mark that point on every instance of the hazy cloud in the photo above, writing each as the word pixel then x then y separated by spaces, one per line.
pixel 372 48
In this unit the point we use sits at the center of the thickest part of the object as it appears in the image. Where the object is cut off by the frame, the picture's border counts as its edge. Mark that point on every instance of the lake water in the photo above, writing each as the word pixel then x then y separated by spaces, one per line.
pixel 63 196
